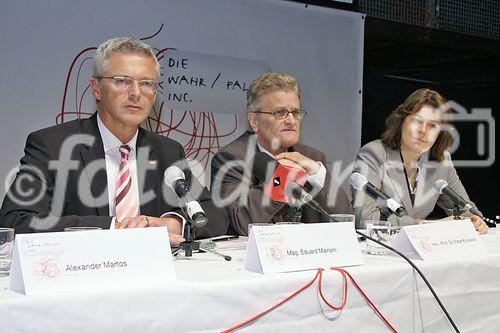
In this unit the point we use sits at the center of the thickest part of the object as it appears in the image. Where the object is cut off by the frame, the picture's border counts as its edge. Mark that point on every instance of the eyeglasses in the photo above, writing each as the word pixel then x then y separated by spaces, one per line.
pixel 282 113
pixel 123 82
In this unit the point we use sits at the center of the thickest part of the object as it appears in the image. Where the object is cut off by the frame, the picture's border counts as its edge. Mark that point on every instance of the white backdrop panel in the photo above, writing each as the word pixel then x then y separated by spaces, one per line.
pixel 322 47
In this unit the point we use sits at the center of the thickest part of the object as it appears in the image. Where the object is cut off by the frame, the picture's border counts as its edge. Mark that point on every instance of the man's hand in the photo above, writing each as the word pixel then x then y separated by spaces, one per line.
pixel 297 158
pixel 141 221
pixel 289 163
pixel 173 223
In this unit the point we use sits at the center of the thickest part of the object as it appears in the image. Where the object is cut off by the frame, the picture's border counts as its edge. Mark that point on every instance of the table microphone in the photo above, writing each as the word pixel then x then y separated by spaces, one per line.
pixel 300 194
pixel 176 180
pixel 360 183
pixel 443 187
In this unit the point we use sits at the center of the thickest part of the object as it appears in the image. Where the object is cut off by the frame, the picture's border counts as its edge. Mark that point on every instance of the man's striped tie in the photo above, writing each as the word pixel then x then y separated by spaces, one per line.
pixel 126 203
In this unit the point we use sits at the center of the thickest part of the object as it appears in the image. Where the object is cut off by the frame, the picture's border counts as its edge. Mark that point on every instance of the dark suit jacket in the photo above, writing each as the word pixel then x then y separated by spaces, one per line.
pixel 228 174
pixel 382 166
pixel 62 181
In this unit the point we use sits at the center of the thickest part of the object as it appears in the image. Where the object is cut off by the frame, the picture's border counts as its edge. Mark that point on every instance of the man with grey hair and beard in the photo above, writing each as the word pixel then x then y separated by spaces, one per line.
pixel 106 171
pixel 275 115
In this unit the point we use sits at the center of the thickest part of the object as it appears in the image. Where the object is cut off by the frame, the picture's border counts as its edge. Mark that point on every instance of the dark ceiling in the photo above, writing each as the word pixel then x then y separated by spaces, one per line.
pixel 438 57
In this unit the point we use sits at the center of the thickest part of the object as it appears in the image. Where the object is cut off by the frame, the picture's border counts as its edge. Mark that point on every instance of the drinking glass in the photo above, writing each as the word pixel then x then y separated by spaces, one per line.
pixel 342 217
pixel 6 247
pixel 82 228
pixel 379 230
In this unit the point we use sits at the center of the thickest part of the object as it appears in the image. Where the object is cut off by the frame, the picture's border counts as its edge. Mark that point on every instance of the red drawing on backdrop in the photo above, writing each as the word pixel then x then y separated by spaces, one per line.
pixel 197 131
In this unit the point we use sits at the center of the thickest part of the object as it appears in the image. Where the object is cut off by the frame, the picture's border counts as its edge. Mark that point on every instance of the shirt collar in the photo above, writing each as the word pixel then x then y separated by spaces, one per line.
pixel 110 141
pixel 262 149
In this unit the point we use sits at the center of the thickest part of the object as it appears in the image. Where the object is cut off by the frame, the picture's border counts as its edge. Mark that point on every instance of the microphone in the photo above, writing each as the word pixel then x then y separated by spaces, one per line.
pixel 384 202
pixel 176 180
pixel 284 183
pixel 300 194
pixel 442 187
pixel 282 176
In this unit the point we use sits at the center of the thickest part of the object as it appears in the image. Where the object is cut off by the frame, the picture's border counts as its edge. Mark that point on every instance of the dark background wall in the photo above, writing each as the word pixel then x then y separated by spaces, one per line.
pixel 400 58
pixel 451 46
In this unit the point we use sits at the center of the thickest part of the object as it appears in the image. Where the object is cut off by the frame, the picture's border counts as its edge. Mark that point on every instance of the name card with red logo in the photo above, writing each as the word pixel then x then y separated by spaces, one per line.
pixel 295 247
pixel 439 240
pixel 64 261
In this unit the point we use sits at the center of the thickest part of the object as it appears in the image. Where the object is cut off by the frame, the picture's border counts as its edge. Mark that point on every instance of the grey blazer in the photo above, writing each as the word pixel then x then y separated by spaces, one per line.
pixel 229 176
pixel 383 167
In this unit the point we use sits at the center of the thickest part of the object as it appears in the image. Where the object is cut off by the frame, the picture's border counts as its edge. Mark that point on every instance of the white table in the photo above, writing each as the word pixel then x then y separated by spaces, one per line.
pixel 213 294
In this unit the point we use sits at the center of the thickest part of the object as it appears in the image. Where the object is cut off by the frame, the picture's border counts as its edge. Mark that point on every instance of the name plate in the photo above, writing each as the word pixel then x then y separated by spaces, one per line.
pixel 295 247
pixel 63 261
pixel 440 240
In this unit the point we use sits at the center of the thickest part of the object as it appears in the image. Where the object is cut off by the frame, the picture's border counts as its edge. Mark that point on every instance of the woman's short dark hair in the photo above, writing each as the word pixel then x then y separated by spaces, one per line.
pixel 413 103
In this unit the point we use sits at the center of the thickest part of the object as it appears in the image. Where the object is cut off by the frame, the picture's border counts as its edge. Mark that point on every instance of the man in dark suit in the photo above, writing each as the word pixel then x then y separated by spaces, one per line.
pixel 106 171
pixel 274 115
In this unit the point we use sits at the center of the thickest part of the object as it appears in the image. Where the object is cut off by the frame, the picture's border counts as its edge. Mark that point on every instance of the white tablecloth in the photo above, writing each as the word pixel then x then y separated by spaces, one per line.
pixel 212 294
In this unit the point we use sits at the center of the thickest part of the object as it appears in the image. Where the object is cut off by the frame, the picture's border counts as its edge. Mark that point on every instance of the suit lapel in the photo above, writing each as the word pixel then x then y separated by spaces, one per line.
pixel 94 154
pixel 397 177
pixel 149 175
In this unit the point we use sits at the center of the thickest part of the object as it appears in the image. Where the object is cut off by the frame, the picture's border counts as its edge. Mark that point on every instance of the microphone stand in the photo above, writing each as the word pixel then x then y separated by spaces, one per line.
pixel 295 213
pixel 210 248
pixel 457 211
pixel 189 245
pixel 384 214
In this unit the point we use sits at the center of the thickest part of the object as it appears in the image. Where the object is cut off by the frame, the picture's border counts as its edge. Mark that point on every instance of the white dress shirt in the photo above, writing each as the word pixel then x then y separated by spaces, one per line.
pixel 113 158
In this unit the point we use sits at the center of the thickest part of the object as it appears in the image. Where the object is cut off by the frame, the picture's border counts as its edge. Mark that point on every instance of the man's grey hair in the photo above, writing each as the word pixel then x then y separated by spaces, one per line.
pixel 269 83
pixel 126 45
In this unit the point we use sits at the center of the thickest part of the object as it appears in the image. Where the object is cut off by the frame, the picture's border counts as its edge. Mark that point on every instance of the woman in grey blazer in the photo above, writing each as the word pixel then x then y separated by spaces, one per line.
pixel 408 159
